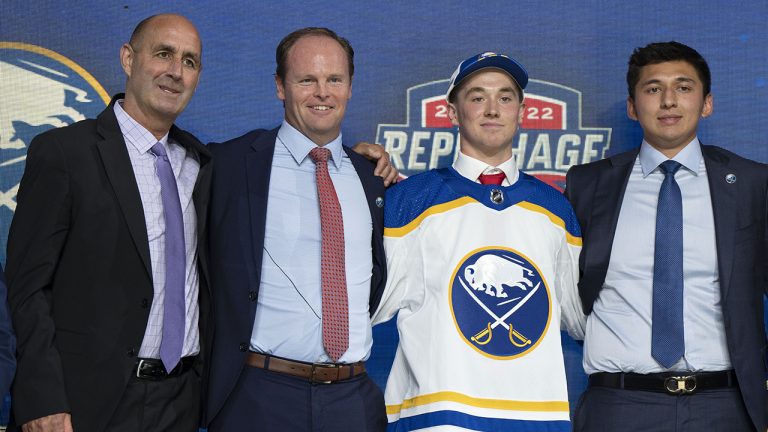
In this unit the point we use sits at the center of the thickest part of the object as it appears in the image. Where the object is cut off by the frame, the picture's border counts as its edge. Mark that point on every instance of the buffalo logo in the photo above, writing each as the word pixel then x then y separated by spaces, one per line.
pixel 40 89
pixel 551 138
pixel 500 302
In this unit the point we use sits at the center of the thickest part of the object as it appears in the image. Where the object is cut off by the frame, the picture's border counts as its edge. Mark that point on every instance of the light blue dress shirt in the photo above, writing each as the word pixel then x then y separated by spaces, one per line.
pixel 288 315
pixel 618 333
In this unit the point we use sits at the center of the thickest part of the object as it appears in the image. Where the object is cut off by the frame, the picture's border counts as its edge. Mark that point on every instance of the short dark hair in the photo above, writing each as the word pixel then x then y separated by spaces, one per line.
pixel 281 54
pixel 660 52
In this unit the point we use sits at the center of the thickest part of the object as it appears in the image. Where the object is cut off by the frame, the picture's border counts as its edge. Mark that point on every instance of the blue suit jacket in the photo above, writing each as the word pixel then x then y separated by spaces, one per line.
pixel 238 212
pixel 596 191
pixel 7 342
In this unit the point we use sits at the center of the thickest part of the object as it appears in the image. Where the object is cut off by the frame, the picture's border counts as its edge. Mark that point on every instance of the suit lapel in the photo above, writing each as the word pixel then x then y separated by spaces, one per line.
pixel 201 192
pixel 117 165
pixel 724 201
pixel 609 194
pixel 363 173
pixel 258 170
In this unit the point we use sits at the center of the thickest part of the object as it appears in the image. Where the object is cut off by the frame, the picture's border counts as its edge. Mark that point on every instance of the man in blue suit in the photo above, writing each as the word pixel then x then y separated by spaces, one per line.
pixel 297 258
pixel 672 266
pixel 7 342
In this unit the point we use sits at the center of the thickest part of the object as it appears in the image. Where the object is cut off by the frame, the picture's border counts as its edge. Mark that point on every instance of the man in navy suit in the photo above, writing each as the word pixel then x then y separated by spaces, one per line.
pixel 288 355
pixel 672 266
pixel 7 343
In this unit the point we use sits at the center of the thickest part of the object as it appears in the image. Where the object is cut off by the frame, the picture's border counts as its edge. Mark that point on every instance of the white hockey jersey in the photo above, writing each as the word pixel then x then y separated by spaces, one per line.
pixel 481 276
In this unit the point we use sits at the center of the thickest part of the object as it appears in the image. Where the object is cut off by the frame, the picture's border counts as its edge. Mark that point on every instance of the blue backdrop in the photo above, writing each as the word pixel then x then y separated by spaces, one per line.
pixel 59 63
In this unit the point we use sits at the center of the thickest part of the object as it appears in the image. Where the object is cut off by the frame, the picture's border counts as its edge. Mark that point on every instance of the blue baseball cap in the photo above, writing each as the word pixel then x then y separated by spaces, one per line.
pixel 488 60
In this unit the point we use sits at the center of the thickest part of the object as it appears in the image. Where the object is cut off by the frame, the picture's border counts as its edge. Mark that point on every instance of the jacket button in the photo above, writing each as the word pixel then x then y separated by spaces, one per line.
pixel 131 352
pixel 243 347
pixel 252 296
pixel 144 303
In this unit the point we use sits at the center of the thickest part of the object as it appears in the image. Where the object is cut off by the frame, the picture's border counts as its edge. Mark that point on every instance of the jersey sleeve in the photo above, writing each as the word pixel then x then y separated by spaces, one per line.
pixel 567 267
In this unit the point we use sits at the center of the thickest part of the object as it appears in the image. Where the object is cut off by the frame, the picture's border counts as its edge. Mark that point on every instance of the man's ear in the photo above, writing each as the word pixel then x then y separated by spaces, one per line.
pixel 709 106
pixel 631 113
pixel 280 88
pixel 452 114
pixel 126 58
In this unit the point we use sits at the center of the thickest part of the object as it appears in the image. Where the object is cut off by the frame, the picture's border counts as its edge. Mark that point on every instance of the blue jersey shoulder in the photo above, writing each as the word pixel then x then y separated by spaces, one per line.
pixel 552 200
pixel 409 198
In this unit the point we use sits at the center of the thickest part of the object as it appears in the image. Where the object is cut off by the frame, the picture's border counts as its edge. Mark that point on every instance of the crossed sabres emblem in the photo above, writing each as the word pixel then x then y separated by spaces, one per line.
pixel 494 276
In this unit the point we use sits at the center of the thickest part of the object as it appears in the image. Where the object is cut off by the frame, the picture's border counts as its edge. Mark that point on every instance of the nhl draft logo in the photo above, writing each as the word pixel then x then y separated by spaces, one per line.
pixel 550 138
pixel 40 89
pixel 500 302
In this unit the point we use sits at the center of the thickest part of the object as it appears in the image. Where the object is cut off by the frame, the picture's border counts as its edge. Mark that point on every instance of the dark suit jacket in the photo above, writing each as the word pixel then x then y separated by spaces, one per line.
pixel 240 189
pixel 7 342
pixel 596 191
pixel 79 276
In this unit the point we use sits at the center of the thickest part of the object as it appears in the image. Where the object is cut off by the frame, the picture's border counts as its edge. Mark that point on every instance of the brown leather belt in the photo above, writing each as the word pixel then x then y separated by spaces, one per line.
pixel 674 383
pixel 317 373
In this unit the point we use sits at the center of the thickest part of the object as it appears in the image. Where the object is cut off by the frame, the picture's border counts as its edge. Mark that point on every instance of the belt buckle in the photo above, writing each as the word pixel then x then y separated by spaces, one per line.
pixel 138 368
pixel 316 367
pixel 680 385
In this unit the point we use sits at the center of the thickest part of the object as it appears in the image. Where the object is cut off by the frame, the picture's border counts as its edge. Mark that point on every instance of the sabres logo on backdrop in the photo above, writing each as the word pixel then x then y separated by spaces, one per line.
pixel 40 89
pixel 550 140
pixel 500 302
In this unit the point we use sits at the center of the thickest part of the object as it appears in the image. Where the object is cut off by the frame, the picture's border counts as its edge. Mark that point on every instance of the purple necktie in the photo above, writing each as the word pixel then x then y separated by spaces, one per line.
pixel 175 262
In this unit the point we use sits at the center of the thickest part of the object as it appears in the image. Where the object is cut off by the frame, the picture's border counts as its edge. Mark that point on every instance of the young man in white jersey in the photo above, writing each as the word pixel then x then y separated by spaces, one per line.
pixel 482 263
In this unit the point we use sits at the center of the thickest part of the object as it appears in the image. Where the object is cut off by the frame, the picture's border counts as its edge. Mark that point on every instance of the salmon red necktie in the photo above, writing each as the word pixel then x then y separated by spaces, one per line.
pixel 333 275
pixel 492 179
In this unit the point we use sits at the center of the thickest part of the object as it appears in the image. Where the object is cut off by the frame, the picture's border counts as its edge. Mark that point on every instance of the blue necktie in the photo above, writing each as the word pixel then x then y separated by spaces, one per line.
pixel 668 340
pixel 175 262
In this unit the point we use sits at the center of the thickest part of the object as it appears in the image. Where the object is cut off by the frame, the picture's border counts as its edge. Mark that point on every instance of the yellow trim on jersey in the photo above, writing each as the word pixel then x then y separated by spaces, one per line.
pixel 576 241
pixel 450 205
pixel 440 208
pixel 499 404
pixel 61 59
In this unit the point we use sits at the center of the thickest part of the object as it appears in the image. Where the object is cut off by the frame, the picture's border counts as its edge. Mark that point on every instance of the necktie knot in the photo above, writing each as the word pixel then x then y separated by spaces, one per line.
pixel 158 150
pixel 492 179
pixel 320 154
pixel 670 167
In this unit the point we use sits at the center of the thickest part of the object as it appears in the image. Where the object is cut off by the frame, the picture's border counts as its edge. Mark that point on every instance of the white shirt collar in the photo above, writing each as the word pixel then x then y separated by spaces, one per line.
pixel 471 168
pixel 134 133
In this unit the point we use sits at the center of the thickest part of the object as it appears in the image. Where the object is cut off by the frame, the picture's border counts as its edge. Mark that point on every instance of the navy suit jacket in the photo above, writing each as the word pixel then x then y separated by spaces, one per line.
pixel 241 172
pixel 596 191
pixel 7 342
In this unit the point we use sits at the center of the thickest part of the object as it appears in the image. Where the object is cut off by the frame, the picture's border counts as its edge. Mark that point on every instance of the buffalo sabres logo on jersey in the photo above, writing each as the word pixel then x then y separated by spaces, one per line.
pixel 500 302
pixel 40 89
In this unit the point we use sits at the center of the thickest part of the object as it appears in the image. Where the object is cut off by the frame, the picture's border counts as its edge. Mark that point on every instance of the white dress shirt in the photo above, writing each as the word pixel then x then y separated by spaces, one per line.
pixel 471 168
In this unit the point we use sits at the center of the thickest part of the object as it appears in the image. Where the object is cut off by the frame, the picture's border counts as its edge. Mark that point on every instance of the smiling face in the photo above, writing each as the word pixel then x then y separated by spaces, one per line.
pixel 487 109
pixel 163 68
pixel 316 88
pixel 669 101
